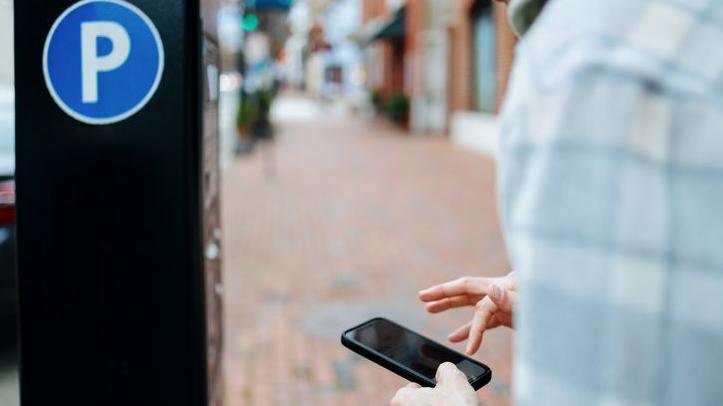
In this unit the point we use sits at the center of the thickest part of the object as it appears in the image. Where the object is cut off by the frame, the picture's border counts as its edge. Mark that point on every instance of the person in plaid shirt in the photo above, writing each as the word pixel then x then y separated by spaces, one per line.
pixel 611 188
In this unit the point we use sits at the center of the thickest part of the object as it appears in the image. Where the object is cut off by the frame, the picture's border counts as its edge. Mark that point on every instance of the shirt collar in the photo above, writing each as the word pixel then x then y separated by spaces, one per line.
pixel 522 13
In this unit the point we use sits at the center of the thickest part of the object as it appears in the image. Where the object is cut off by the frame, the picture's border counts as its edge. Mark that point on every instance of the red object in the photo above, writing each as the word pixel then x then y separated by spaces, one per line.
pixel 7 203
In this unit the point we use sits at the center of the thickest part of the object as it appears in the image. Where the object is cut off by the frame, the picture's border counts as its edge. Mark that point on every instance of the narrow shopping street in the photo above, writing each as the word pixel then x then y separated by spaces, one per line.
pixel 340 220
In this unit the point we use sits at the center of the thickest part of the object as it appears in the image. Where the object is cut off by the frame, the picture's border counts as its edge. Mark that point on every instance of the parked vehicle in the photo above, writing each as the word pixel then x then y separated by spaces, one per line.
pixel 8 270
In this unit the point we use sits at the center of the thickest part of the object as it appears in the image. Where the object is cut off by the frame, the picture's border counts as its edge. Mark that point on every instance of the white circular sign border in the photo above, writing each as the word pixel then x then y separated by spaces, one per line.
pixel 110 120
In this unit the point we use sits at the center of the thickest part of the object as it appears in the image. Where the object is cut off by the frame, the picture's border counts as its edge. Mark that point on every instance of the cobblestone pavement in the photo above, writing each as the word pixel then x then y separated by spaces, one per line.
pixel 341 220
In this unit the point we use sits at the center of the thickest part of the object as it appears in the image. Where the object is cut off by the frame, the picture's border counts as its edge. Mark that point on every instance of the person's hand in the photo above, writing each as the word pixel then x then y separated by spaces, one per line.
pixel 494 300
pixel 452 390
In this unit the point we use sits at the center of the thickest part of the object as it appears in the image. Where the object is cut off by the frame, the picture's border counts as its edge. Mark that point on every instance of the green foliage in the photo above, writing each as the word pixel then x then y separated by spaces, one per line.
pixel 377 98
pixel 253 109
pixel 266 99
pixel 397 107
pixel 248 113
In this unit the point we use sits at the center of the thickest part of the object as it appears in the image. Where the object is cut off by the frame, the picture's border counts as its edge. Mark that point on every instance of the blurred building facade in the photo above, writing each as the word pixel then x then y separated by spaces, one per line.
pixel 322 54
pixel 383 37
pixel 451 58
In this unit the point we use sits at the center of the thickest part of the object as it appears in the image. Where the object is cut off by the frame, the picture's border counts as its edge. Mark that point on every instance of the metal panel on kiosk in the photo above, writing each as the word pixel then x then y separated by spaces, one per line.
pixel 117 201
pixel 212 221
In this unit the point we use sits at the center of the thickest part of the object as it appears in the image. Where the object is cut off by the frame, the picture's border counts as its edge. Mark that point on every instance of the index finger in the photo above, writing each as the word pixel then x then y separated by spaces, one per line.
pixel 461 286
pixel 484 311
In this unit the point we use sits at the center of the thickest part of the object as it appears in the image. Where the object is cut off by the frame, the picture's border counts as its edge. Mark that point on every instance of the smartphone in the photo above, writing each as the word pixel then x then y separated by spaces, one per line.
pixel 408 354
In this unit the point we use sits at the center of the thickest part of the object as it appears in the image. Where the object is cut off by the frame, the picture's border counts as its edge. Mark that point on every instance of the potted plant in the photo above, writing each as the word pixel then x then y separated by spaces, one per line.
pixel 377 99
pixel 246 118
pixel 397 108
pixel 247 115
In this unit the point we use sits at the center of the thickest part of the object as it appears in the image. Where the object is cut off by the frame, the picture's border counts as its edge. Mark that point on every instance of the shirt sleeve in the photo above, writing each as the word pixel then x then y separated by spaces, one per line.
pixel 611 195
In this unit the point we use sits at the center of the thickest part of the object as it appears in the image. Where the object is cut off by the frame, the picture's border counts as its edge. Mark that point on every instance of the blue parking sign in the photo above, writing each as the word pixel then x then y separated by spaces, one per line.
pixel 103 61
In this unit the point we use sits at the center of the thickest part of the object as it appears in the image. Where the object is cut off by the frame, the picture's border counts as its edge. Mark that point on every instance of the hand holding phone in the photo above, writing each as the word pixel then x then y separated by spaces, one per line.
pixel 452 389
pixel 409 354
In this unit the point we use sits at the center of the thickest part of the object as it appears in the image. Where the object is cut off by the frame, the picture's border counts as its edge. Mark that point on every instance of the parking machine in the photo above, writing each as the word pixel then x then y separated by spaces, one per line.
pixel 119 238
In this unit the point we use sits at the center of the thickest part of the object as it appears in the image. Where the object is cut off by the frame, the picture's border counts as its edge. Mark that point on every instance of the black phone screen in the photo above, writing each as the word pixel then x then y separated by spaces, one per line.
pixel 412 350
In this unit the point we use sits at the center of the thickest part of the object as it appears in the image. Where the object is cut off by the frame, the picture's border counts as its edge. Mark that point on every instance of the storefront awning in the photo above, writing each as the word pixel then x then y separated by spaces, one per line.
pixel 255 5
pixel 386 27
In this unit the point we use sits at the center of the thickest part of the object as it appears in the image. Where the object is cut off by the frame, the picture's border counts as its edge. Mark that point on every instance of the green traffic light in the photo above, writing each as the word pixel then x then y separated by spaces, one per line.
pixel 250 22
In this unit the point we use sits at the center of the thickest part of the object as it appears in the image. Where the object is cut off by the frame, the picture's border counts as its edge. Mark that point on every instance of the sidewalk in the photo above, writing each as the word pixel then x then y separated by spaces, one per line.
pixel 356 220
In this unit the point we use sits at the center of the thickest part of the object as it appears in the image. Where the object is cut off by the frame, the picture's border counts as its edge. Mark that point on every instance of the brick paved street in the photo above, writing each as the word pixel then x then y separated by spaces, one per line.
pixel 357 218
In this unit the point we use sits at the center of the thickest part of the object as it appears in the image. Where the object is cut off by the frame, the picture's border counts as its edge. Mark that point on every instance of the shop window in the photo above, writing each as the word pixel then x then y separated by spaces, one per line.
pixel 483 52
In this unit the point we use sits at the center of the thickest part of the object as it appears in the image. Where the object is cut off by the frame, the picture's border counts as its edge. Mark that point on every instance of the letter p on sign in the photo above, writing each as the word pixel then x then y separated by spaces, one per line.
pixel 103 61
pixel 92 63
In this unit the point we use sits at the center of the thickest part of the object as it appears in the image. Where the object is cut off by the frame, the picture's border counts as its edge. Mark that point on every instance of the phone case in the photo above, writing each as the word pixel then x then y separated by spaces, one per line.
pixel 399 369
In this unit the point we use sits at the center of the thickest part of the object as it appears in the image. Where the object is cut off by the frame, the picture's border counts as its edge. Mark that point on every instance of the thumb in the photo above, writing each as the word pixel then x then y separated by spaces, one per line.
pixel 503 298
pixel 448 374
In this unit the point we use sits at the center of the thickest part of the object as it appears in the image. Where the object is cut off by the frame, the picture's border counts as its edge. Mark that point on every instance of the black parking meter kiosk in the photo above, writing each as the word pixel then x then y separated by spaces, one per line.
pixel 118 211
